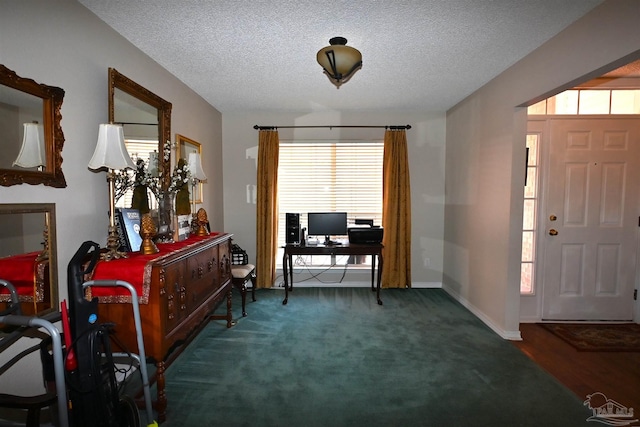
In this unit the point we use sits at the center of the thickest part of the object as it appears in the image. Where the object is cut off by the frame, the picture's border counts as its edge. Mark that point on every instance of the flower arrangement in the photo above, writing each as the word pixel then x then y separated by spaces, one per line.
pixel 123 181
pixel 179 182
pixel 180 177
pixel 166 150
pixel 141 177
pixel 140 199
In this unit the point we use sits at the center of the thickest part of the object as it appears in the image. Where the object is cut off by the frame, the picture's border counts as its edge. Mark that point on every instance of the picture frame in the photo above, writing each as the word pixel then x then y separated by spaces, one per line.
pixel 185 146
pixel 183 228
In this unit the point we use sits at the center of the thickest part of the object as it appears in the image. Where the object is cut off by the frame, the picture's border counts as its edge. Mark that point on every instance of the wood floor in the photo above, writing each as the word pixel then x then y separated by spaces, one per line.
pixel 615 374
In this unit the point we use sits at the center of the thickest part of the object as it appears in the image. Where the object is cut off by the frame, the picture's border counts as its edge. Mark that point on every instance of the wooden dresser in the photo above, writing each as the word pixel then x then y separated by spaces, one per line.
pixel 183 287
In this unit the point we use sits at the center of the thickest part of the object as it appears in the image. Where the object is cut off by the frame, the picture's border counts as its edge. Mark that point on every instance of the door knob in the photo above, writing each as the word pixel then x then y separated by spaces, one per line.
pixel 553 232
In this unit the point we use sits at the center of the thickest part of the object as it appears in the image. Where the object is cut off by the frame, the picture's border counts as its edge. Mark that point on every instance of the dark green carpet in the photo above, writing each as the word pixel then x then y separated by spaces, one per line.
pixel 333 357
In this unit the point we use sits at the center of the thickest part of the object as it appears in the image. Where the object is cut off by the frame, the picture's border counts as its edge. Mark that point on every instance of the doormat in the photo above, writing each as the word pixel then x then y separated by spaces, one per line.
pixel 598 337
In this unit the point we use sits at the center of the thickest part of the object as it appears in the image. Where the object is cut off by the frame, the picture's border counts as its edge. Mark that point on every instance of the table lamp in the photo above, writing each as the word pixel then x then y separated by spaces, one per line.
pixel 197 175
pixel 32 153
pixel 111 153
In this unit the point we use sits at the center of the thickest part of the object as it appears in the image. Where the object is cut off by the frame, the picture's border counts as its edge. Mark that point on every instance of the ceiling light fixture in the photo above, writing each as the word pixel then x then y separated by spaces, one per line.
pixel 339 61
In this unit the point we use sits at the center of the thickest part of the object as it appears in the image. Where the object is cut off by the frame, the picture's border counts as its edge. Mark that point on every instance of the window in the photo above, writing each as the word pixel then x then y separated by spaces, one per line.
pixel 329 176
pixel 529 216
pixel 590 101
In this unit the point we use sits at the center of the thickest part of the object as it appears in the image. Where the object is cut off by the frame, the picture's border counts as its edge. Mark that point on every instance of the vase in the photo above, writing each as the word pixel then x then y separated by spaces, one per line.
pixel 166 213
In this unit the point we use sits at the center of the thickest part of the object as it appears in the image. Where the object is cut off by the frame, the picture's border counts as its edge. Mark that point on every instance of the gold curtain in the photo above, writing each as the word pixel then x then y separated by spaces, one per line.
pixel 267 207
pixel 396 211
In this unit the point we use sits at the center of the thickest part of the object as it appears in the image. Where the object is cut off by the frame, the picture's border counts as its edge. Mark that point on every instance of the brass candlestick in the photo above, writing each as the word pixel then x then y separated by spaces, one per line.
pixel 113 240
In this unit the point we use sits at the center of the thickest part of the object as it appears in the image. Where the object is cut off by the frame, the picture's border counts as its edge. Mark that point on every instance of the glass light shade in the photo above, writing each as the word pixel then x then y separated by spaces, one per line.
pixel 195 167
pixel 338 60
pixel 110 150
pixel 32 153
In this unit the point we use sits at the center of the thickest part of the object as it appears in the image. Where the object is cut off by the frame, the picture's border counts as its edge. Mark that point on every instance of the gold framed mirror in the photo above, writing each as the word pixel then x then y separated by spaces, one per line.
pixel 28 257
pixel 31 137
pixel 145 119
pixel 185 146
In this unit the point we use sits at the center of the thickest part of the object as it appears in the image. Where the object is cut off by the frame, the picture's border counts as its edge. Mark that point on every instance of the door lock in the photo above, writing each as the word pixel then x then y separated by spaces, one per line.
pixel 553 218
pixel 553 232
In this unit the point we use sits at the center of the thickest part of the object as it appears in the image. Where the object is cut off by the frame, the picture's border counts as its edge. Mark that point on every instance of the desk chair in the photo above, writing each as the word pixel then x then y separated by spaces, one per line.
pixel 242 273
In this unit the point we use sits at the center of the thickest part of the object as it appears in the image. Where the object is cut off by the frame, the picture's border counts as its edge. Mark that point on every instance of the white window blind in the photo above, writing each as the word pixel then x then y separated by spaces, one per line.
pixel 330 176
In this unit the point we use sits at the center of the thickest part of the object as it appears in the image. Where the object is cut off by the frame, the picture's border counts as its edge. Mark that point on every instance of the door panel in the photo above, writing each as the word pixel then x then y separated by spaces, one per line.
pixel 589 266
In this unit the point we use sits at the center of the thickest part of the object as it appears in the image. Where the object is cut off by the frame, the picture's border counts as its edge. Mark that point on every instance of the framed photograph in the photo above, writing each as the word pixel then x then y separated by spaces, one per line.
pixel 183 229
pixel 185 146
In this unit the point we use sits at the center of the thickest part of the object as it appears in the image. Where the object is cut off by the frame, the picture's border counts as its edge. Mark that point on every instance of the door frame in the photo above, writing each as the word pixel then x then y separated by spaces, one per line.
pixel 531 304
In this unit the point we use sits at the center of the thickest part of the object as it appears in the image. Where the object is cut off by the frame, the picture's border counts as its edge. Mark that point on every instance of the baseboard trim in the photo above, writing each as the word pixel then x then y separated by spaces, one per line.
pixel 426 285
pixel 353 284
pixel 505 334
pixel 316 284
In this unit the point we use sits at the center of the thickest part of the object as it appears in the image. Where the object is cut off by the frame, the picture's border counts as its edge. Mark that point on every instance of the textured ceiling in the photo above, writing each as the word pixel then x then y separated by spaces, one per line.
pixel 260 55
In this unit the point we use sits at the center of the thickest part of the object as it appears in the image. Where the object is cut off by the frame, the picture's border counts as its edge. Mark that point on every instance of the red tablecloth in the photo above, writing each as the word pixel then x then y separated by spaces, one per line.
pixel 136 269
pixel 26 274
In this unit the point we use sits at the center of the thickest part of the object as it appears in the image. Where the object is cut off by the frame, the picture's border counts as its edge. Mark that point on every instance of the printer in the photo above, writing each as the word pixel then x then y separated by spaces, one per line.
pixel 365 232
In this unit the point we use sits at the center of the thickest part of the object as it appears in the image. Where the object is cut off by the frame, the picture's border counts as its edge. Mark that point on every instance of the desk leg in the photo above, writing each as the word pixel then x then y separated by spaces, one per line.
pixel 291 272
pixel 373 271
pixel 285 273
pixel 379 277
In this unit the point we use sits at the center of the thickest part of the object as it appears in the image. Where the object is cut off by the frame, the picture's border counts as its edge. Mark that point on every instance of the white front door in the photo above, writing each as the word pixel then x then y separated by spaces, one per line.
pixel 589 232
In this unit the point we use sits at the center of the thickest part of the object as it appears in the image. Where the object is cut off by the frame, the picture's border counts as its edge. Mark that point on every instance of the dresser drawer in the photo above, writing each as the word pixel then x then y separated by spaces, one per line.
pixel 202 276
pixel 173 294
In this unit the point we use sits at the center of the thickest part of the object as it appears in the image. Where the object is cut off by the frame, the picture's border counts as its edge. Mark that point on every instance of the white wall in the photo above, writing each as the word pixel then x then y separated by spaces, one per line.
pixel 426 161
pixel 61 43
pixel 486 151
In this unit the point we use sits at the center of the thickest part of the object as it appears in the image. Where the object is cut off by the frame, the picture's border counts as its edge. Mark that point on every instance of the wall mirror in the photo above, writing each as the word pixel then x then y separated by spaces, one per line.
pixel 145 119
pixel 185 146
pixel 31 137
pixel 28 256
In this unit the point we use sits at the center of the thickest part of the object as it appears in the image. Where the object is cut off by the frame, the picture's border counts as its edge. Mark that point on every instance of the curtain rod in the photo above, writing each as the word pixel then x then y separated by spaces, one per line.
pixel 330 127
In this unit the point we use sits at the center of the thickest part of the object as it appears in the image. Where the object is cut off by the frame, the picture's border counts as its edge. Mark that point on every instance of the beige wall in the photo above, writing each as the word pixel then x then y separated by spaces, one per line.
pixel 426 160
pixel 61 43
pixel 486 152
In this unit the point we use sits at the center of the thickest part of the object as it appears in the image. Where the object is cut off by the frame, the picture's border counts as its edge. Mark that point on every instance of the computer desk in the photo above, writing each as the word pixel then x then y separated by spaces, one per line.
pixel 373 249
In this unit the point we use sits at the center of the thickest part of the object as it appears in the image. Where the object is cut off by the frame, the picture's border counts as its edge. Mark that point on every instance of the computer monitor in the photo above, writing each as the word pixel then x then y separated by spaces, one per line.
pixel 327 224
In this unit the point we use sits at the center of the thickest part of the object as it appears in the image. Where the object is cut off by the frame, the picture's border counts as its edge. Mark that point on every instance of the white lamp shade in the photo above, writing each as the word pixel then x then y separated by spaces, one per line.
pixel 110 150
pixel 195 167
pixel 32 153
